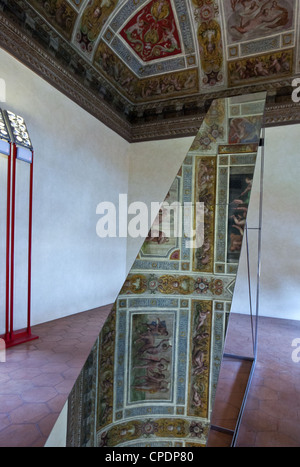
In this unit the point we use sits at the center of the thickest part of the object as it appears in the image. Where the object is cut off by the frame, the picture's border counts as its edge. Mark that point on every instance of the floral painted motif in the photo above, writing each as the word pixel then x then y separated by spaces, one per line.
pixel 152 32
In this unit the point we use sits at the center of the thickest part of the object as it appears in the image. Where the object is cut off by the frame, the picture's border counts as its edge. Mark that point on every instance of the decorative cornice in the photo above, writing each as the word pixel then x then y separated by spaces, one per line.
pixel 275 115
pixel 143 128
pixel 43 64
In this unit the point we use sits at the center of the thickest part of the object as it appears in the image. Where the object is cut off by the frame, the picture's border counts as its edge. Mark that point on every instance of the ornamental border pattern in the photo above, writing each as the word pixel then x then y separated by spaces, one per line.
pixel 28 52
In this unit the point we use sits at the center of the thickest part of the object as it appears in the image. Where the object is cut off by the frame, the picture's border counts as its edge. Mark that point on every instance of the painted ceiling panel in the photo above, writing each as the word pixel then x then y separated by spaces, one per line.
pixel 163 51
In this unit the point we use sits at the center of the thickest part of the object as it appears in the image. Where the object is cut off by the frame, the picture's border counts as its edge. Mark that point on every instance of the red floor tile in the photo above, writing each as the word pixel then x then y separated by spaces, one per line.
pixel 37 377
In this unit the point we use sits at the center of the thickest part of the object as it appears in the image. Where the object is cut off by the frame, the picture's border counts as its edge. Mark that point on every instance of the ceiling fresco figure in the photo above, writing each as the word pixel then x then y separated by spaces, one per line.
pixel 136 54
pixel 206 15
pixel 92 21
pixel 60 14
pixel 250 19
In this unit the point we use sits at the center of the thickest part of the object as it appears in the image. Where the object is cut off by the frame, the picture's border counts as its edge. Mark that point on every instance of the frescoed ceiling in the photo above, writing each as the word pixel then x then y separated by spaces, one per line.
pixel 153 60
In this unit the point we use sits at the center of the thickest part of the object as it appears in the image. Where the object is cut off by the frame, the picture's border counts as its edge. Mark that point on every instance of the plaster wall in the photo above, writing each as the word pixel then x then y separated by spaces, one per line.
pixel 79 162
pixel 153 166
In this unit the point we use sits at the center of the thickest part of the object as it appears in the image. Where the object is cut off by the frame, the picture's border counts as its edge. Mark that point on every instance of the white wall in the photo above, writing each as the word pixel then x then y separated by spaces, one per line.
pixel 280 263
pixel 153 167
pixel 79 162
pixel 58 435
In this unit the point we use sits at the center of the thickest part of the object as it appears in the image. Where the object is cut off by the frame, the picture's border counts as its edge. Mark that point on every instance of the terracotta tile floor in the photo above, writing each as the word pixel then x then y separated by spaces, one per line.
pixel 37 377
pixel 272 412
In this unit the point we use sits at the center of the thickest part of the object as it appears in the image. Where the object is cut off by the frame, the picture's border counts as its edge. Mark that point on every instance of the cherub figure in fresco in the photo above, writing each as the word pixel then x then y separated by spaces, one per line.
pixel 239 223
pixel 236 242
pixel 63 15
pixel 150 88
pixel 148 339
pixel 157 327
pixel 160 365
pixel 157 236
pixel 270 15
pixel 108 337
pixel 160 9
pixel 260 68
pixel 253 6
pixel 240 69
pixel 200 337
pixel 284 62
pixel 190 81
pixel 162 346
pixel 198 362
pixel 249 182
pixel 237 130
pixel 152 376
pixel 197 396
pixel 201 320
pixel 152 386
pixel 236 2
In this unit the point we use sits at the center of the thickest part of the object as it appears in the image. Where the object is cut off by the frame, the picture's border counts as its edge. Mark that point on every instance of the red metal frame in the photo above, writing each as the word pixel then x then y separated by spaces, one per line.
pixel 7 244
pixel 12 337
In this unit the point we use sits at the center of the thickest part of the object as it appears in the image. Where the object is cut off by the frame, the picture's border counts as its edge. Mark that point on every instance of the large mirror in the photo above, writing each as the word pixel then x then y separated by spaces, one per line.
pixel 151 377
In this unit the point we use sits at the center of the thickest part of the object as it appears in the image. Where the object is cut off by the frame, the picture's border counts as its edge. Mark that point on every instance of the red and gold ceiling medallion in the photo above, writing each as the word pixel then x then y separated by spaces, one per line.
pixel 152 33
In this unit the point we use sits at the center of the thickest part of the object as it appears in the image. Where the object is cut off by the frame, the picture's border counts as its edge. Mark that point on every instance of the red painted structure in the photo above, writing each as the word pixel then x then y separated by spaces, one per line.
pixel 14 337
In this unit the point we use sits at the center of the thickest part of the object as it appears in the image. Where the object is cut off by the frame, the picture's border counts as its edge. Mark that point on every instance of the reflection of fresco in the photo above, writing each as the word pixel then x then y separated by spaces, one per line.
pixel 199 364
pixel 212 131
pixel 106 371
pixel 159 353
pixel 239 197
pixel 162 237
pixel 152 32
pixel 244 130
pixel 161 428
pixel 151 363
pixel 205 183
pixel 271 65
pixel 249 19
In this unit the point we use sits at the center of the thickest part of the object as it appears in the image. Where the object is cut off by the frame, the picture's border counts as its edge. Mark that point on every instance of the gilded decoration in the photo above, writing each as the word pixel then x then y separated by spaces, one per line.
pixel 263 67
pixel 210 41
pixel 106 371
pixel 201 320
pixel 152 33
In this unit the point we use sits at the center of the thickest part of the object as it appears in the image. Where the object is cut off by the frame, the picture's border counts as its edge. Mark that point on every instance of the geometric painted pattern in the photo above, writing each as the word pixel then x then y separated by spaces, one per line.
pixel 150 51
